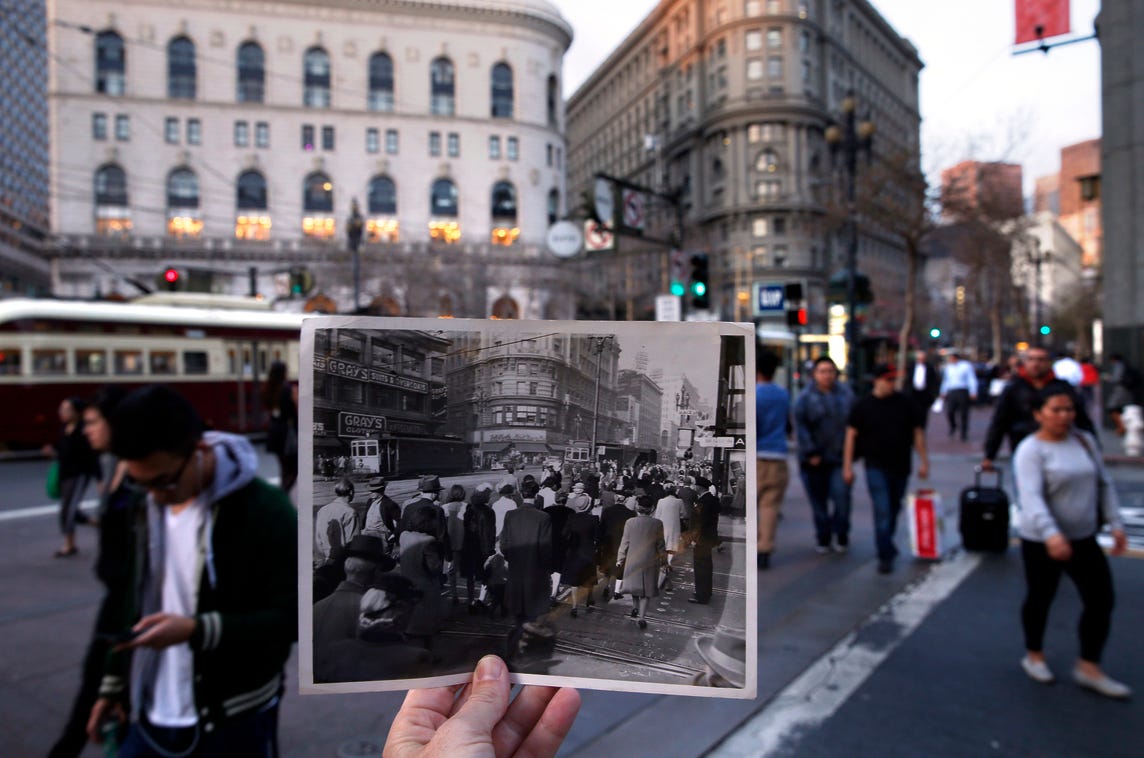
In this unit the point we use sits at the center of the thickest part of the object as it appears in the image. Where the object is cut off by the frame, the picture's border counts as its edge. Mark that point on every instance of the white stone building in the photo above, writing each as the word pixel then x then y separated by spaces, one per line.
pixel 214 137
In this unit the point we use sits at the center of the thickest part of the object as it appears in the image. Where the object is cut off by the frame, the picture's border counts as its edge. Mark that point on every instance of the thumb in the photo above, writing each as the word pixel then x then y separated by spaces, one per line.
pixel 488 696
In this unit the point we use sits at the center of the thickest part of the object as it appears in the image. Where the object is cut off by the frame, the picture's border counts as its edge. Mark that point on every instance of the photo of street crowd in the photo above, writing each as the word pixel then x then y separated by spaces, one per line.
pixel 569 496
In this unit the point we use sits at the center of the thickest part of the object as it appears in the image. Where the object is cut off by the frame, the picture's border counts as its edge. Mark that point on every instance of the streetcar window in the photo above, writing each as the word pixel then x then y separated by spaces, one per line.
pixel 49 362
pixel 10 361
pixel 195 362
pixel 90 362
pixel 128 362
pixel 162 362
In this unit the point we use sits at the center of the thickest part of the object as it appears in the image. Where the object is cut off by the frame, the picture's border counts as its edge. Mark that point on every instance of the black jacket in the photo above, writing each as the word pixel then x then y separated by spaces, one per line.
pixel 1013 416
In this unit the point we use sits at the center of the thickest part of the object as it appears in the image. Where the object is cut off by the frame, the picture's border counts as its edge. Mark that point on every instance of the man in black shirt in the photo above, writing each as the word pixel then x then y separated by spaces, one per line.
pixel 882 427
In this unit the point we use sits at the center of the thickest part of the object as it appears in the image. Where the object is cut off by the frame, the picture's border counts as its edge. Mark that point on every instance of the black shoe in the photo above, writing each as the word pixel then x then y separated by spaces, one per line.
pixel 591 607
pixel 643 624
pixel 764 560
pixel 635 612
pixel 885 567
pixel 573 614
pixel 697 601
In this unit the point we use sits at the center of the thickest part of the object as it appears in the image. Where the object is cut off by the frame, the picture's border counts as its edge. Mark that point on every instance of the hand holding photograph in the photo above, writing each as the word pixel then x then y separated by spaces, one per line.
pixel 570 496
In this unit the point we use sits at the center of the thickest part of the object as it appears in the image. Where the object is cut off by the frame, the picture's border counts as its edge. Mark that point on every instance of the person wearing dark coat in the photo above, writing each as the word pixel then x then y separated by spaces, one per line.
pixel 921 385
pixel 558 514
pixel 706 534
pixel 479 541
pixel 526 544
pixel 578 567
pixel 78 464
pixel 336 616
pixel 612 521
pixel 642 553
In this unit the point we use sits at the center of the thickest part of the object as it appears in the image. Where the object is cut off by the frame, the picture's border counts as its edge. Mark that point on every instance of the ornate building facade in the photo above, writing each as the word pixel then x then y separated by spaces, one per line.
pixel 230 143
pixel 723 106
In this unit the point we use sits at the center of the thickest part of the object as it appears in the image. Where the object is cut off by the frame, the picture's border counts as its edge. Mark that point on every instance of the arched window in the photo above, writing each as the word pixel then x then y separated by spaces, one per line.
pixel 505 307
pixel 443 199
pixel 501 96
pixel 251 192
pixel 251 220
pixel 768 161
pixel 553 99
pixel 181 74
pixel 502 208
pixel 316 78
pixel 183 218
pixel 381 82
pixel 441 102
pixel 251 73
pixel 318 194
pixel 318 207
pixel 110 64
pixel 382 195
pixel 553 206
pixel 112 214
pixel 443 212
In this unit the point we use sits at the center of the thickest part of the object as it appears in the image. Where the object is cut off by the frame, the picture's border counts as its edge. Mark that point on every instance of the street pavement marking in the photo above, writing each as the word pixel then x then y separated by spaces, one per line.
pixel 45 510
pixel 823 688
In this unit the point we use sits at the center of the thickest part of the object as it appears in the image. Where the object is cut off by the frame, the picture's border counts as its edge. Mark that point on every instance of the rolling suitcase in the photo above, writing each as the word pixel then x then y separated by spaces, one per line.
pixel 984 518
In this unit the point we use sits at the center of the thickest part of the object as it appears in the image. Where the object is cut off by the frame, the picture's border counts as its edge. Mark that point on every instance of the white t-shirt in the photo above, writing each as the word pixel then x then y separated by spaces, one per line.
pixel 173 697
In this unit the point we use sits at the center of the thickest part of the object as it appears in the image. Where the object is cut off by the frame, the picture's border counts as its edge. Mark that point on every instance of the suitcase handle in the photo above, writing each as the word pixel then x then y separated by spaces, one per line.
pixel 978 471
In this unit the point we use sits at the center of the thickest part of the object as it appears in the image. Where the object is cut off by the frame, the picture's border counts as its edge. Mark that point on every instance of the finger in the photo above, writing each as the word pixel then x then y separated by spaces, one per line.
pixel 421 715
pixel 488 697
pixel 148 621
pixel 94 720
pixel 522 716
pixel 554 725
pixel 461 698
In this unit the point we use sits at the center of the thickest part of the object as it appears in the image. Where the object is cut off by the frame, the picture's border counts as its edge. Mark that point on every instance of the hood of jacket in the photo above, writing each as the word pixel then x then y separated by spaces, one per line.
pixel 236 463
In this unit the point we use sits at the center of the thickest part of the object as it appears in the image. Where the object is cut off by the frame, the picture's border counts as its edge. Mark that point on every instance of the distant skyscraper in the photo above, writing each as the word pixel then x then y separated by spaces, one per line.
pixel 24 149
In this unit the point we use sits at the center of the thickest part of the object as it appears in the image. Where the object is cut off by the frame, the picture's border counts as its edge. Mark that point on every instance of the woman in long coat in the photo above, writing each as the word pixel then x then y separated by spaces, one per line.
pixel 581 532
pixel 78 464
pixel 479 540
pixel 642 553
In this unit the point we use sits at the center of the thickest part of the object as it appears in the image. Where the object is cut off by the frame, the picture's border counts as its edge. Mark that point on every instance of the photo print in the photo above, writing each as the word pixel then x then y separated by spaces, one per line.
pixel 571 496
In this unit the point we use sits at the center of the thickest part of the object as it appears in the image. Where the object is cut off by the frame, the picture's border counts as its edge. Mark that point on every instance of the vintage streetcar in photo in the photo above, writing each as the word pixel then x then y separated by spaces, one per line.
pixel 215 350
pixel 406 455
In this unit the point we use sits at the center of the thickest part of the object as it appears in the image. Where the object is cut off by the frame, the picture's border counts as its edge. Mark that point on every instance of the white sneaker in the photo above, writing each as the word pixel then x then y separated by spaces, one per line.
pixel 1103 684
pixel 1038 671
pixel 822 549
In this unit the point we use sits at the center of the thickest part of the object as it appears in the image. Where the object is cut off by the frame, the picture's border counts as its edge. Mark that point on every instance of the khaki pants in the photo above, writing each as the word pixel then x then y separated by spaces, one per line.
pixel 772 477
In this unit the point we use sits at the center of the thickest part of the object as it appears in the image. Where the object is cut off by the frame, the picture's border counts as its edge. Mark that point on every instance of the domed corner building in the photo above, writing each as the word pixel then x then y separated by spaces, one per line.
pixel 230 141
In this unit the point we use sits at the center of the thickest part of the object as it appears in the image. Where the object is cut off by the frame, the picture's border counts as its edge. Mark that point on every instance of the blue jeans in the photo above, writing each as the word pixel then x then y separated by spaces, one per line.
pixel 253 734
pixel 824 486
pixel 886 492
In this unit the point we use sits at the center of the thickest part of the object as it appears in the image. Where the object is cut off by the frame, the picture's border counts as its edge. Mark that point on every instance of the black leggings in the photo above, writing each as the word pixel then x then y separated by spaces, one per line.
pixel 1088 568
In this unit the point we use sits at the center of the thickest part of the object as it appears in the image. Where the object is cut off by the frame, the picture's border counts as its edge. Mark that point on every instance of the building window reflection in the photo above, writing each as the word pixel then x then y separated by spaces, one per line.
pixel 252 222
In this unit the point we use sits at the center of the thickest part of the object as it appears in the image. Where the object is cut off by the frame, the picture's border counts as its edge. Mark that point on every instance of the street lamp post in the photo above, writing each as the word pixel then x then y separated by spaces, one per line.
pixel 598 344
pixel 1038 258
pixel 847 140
pixel 354 228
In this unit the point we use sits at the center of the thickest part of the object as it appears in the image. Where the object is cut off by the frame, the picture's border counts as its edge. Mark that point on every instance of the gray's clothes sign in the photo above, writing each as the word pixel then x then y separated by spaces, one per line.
pixel 770 299
pixel 359 424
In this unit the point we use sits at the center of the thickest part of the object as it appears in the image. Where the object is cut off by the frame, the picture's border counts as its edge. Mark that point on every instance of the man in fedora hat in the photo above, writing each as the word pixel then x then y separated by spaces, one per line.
pixel 336 617
pixel 725 658
pixel 428 492
pixel 383 513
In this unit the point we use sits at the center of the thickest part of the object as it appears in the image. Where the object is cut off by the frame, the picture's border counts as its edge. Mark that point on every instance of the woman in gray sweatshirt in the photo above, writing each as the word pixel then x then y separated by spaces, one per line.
pixel 1065 492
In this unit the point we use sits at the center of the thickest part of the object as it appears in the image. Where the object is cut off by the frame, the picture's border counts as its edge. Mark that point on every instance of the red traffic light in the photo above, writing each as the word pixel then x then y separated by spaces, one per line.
pixel 171 276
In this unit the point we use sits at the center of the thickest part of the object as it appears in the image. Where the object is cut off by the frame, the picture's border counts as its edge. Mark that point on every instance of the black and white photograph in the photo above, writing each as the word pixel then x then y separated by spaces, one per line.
pixel 570 496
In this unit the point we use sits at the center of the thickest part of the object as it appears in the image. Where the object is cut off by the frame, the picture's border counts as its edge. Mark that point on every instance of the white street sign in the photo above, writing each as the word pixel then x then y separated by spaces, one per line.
pixel 668 308
pixel 597 237
pixel 564 239
pixel 605 201
pixel 716 441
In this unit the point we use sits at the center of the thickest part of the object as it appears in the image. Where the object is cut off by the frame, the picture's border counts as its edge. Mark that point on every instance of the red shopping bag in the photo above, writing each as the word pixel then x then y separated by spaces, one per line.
pixel 927 524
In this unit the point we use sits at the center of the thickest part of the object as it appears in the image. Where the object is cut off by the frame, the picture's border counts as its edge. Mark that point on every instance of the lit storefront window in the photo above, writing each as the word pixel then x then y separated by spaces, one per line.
pixel 503 235
pixel 445 230
pixel 319 227
pixel 382 229
pixel 112 221
pixel 184 226
pixel 252 228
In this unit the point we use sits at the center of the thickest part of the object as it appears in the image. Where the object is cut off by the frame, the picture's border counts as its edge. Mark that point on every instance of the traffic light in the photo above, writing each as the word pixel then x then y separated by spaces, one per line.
pixel 171 279
pixel 678 273
pixel 699 297
pixel 301 281
pixel 1046 330
pixel 935 333
pixel 796 317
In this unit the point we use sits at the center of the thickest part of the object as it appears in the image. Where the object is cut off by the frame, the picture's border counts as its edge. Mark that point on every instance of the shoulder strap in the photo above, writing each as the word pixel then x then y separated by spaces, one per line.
pixel 1099 472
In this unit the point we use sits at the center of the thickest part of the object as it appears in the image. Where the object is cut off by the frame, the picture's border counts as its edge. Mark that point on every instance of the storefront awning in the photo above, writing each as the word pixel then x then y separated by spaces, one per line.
pixel 532 447
pixel 494 447
pixel 326 444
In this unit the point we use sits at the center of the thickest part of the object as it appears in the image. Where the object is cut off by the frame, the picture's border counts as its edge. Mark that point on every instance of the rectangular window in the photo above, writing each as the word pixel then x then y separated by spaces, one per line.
pixel 262 134
pixel 754 40
pixel 122 127
pixel 774 38
pixel 759 227
pixel 307 137
pixel 806 71
pixel 163 362
pixel 327 138
pixel 548 155
pixel 194 131
pixel 128 361
pixel 90 362
pixel 754 69
pixel 494 148
pixel 391 141
pixel 559 157
pixel 49 362
pixel 372 141
pixel 780 227
pixel 241 134
pixel 774 6
pixel 804 42
pixel 775 67
pixel 171 130
pixel 434 144
pixel 99 126
pixel 512 148
pixel 454 145
pixel 753 7
pixel 10 358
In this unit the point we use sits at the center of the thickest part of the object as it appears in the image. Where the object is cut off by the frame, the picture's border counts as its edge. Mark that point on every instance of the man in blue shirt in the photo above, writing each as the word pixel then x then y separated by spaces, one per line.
pixel 772 423
pixel 820 415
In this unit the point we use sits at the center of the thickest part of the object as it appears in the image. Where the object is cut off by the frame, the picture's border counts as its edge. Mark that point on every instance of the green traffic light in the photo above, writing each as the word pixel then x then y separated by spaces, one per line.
pixel 677 289
pixel 1046 329
pixel 699 289
pixel 934 333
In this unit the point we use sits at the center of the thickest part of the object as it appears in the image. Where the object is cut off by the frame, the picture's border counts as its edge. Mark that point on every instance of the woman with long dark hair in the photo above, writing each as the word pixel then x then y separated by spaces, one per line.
pixel 280 399
pixel 1065 492
pixel 78 465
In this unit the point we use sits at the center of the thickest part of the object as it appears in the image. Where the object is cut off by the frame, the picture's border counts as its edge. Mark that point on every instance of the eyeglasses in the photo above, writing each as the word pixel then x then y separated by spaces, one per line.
pixel 166 483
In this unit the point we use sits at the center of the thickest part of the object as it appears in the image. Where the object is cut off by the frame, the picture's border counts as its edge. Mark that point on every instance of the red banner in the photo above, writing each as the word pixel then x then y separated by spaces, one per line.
pixel 1041 19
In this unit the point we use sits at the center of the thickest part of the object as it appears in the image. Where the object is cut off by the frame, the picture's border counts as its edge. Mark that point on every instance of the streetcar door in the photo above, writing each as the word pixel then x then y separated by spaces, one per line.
pixel 365 456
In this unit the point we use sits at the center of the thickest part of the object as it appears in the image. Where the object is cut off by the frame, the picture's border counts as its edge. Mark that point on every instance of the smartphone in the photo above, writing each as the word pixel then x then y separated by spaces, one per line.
pixel 117 638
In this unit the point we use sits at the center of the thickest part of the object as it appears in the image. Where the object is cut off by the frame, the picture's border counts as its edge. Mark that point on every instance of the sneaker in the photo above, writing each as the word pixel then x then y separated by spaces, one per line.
pixel 1103 684
pixel 1038 671
pixel 822 549
pixel 842 547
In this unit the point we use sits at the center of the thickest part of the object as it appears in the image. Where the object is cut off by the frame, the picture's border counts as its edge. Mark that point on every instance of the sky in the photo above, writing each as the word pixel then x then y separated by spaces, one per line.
pixel 978 101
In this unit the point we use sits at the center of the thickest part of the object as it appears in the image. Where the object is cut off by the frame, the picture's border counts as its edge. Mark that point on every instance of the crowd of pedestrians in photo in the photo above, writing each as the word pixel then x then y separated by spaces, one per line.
pixel 527 549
